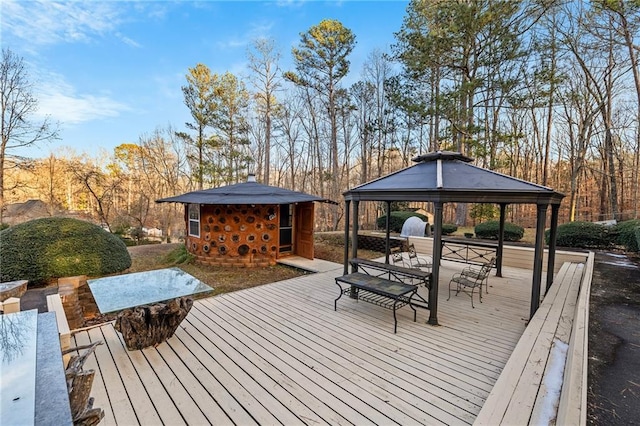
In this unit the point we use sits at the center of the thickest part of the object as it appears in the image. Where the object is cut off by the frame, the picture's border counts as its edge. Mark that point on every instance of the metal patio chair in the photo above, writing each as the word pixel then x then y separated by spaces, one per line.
pixel 471 278
pixel 397 258
pixel 419 261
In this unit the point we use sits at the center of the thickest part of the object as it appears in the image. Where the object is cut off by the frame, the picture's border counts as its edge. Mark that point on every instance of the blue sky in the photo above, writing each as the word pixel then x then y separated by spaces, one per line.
pixel 109 72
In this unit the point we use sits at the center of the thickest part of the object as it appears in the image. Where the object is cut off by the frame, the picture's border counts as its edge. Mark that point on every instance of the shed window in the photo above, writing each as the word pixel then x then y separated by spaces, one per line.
pixel 194 220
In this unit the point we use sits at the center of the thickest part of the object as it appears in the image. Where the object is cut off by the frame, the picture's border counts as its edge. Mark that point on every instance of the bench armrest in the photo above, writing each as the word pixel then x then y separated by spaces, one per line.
pixel 54 304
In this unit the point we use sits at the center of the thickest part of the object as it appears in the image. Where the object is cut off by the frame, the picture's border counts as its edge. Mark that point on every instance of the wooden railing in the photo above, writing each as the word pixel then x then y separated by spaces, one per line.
pixel 512 256
pixel 544 380
pixel 573 399
pixel 474 252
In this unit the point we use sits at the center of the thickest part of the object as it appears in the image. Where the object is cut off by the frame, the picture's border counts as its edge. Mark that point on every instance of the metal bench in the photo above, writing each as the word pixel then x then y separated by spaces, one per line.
pixel 388 286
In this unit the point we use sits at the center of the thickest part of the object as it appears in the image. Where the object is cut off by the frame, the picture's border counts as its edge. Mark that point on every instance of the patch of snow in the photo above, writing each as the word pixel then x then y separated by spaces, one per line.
pixel 624 256
pixel 552 381
pixel 622 264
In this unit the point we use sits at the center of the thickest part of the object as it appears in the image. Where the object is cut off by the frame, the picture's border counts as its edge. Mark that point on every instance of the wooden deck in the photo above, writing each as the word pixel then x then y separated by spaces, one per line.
pixel 279 354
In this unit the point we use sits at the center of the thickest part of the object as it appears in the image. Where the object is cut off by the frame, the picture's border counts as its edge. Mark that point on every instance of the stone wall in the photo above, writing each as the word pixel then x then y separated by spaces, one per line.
pixel 69 289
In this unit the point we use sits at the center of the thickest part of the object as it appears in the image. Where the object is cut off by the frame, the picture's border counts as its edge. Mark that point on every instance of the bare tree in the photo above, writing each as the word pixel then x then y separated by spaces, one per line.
pixel 17 105
pixel 288 125
pixel 626 22
pixel 101 187
pixel 267 81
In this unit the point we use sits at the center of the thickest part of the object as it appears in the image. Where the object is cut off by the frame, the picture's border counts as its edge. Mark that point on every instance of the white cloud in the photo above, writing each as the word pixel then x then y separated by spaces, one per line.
pixel 255 31
pixel 127 40
pixel 59 100
pixel 290 3
pixel 44 22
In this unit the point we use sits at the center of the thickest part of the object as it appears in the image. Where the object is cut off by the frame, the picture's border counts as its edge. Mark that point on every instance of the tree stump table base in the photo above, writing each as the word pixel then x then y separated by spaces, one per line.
pixel 150 325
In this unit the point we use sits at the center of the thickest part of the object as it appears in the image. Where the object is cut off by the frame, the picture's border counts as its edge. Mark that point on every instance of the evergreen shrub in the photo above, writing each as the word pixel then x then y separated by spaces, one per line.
pixel 448 228
pixel 43 249
pixel 491 230
pixel 397 219
pixel 582 235
pixel 627 235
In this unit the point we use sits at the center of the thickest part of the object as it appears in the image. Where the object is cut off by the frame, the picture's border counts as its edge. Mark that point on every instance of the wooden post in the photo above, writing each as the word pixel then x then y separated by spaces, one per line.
pixel 553 234
pixel 537 259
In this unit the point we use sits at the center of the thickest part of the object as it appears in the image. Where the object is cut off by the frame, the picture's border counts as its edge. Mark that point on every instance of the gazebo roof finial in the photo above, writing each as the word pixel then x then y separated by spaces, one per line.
pixel 441 155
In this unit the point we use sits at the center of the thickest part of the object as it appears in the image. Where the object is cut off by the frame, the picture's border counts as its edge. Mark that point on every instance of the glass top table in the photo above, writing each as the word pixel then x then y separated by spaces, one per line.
pixel 18 367
pixel 120 292
pixel 33 388
pixel 150 305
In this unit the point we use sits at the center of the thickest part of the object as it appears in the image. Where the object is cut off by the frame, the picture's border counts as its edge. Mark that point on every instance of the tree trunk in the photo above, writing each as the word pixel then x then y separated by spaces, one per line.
pixel 150 325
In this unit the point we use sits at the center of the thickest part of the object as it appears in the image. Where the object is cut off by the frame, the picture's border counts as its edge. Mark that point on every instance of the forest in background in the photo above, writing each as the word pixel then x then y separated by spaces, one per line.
pixel 541 90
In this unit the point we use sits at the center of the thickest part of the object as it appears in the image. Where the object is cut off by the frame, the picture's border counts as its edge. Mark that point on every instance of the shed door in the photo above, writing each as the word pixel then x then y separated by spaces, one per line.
pixel 304 230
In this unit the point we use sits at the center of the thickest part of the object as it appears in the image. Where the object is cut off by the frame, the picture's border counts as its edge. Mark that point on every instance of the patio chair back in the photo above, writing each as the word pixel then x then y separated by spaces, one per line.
pixel 397 258
pixel 417 261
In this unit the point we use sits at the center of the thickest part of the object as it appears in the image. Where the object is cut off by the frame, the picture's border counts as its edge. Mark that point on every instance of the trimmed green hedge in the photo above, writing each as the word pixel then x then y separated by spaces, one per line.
pixel 582 235
pixel 447 228
pixel 627 234
pixel 397 219
pixel 42 249
pixel 491 231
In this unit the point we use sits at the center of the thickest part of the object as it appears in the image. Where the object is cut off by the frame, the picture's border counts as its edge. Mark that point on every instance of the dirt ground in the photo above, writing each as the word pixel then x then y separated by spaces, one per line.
pixel 614 341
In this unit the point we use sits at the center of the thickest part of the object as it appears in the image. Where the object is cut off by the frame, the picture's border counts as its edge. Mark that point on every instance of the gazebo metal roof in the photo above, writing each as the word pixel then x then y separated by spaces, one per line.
pixel 244 193
pixel 445 176
pixel 450 177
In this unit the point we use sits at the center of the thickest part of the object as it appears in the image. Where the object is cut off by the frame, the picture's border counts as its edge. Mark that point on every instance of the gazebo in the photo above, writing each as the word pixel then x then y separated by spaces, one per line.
pixel 444 177
pixel 248 224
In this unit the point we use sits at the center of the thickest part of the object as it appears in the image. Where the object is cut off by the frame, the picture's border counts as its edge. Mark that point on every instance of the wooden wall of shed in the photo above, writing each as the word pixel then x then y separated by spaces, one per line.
pixel 237 235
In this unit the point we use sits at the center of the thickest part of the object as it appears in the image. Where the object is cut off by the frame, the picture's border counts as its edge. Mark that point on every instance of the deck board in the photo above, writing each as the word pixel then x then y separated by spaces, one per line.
pixel 134 387
pixel 119 401
pixel 185 376
pixel 293 342
pixel 388 379
pixel 280 354
pixel 98 389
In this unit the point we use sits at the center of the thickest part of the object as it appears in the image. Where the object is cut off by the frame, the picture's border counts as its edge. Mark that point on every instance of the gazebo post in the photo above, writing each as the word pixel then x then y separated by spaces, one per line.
pixel 354 244
pixel 387 226
pixel 346 236
pixel 354 232
pixel 435 270
pixel 553 234
pixel 537 259
pixel 503 212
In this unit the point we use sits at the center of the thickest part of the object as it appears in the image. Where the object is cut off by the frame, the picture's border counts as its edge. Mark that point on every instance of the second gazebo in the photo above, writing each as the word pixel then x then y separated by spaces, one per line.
pixel 443 177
